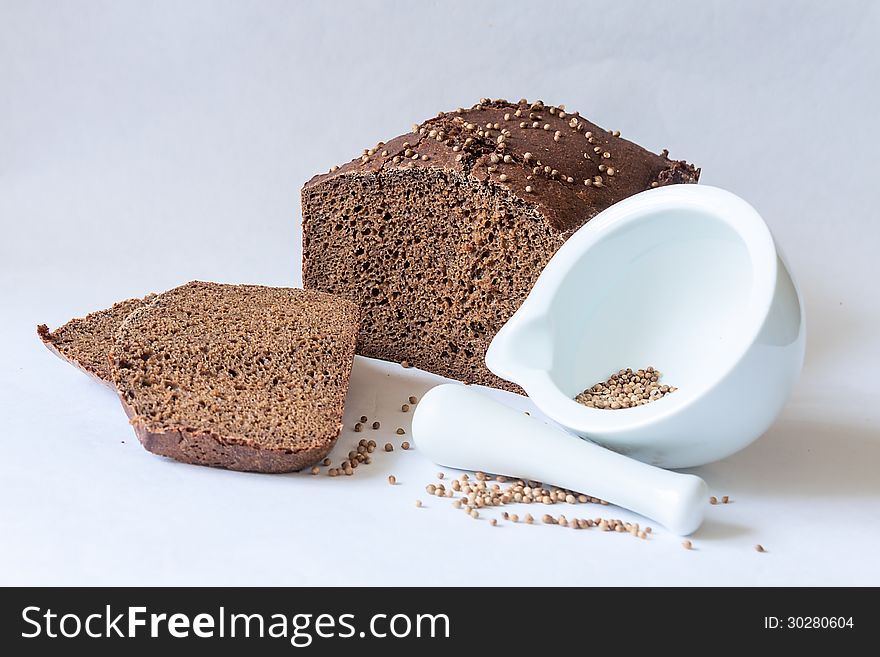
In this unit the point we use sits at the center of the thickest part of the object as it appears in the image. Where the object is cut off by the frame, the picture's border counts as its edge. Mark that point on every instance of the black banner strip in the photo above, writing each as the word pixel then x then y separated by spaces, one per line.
pixel 401 620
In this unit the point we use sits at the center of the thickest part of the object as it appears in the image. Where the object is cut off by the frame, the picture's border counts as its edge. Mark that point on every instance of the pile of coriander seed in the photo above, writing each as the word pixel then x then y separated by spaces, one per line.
pixel 626 389
pixel 485 491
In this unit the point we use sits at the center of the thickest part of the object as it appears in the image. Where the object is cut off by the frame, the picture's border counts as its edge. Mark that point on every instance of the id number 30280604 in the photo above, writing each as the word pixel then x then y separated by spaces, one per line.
pixel 808 622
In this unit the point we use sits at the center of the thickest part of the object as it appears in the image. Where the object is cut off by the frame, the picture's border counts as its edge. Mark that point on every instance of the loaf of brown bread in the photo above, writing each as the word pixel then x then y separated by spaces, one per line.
pixel 243 377
pixel 86 341
pixel 439 234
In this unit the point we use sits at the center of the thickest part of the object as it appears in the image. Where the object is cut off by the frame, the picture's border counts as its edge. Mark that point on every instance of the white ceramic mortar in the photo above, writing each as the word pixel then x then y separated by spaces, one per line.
pixel 685 278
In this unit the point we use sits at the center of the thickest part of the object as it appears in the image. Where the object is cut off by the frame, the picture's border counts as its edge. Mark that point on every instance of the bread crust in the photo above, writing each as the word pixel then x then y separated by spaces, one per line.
pixel 565 205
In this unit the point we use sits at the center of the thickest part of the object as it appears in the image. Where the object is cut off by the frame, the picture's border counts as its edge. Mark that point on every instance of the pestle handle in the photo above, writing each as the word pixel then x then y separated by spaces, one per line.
pixel 459 427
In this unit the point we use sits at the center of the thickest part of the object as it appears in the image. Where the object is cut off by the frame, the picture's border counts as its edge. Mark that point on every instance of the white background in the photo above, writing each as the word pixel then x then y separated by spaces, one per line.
pixel 146 144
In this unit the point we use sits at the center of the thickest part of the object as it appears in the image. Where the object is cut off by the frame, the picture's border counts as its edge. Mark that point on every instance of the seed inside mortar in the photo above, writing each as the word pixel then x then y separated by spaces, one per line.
pixel 626 389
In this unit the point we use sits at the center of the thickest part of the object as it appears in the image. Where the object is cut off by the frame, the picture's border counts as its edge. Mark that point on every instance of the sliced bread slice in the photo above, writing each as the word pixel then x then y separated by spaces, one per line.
pixel 85 341
pixel 243 377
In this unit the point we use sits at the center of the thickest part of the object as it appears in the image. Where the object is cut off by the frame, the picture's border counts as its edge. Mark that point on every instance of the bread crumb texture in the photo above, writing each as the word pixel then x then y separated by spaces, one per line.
pixel 243 377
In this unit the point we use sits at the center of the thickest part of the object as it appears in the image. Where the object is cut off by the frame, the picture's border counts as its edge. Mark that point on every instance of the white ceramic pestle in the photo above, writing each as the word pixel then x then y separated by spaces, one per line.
pixel 483 434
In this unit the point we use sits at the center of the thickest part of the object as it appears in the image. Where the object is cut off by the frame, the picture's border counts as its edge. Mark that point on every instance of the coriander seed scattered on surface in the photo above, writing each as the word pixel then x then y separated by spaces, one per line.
pixel 363 418
pixel 325 462
pixel 759 548
pixel 687 545
pixel 713 500
pixel 358 427
pixel 315 470
pixel 405 408
pixel 725 500
pixel 404 445
pixel 392 479
pixel 418 503
pixel 389 447
pixel 376 425
pixel 493 522
pixel 413 399
pixel 400 431
pixel 440 475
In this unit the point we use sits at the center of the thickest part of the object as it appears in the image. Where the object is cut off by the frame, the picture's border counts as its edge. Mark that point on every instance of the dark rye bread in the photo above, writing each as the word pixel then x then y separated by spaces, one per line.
pixel 439 234
pixel 86 341
pixel 243 377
